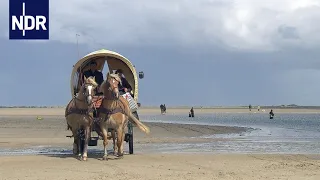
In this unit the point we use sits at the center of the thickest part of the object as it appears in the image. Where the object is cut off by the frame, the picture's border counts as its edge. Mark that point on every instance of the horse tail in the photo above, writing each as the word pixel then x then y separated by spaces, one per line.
pixel 140 125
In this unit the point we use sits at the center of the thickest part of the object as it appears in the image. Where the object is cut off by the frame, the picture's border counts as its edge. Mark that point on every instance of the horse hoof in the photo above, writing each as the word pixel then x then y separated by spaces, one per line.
pixel 105 158
pixel 120 156
pixel 84 159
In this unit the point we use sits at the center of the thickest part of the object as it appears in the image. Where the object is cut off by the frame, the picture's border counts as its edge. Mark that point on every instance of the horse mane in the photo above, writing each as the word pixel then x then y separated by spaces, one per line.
pixel 116 76
pixel 92 81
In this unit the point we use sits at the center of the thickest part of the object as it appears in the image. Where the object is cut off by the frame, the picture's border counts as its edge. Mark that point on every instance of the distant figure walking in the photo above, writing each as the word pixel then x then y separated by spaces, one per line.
pixel 191 113
pixel 258 108
pixel 250 107
pixel 271 114
pixel 161 109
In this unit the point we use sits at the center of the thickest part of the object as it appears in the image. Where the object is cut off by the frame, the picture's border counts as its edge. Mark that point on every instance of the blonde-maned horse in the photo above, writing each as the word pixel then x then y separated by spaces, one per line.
pixel 78 117
pixel 114 113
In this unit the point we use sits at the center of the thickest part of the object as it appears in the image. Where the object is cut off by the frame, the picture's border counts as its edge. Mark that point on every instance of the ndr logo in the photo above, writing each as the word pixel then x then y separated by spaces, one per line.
pixel 28 19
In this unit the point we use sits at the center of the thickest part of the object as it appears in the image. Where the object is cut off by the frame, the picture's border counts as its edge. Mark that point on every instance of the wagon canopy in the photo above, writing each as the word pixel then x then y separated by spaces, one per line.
pixel 101 57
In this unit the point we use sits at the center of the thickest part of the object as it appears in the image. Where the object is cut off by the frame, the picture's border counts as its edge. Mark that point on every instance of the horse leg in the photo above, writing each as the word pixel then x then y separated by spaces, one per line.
pixel 86 141
pixel 120 139
pixel 122 143
pixel 104 130
pixel 75 146
pixel 115 149
pixel 80 143
pixel 75 143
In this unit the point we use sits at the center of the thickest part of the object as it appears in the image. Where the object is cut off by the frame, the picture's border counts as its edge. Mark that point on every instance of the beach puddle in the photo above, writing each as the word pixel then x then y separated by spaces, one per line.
pixel 234 145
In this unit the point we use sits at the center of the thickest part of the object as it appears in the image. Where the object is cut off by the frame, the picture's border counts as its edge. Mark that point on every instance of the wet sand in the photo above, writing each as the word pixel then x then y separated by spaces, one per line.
pixel 25 131
pixel 19 128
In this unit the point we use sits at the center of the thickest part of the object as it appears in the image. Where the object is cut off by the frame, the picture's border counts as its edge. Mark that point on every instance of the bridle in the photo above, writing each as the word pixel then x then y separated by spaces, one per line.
pixel 115 87
pixel 86 89
pixel 111 89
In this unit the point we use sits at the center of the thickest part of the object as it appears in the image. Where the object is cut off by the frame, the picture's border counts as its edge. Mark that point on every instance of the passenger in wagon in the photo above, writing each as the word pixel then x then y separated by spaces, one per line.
pixel 94 72
pixel 125 87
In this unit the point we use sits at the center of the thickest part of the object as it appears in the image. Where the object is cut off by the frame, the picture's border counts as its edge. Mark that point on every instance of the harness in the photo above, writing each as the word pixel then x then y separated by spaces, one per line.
pixel 109 112
pixel 75 109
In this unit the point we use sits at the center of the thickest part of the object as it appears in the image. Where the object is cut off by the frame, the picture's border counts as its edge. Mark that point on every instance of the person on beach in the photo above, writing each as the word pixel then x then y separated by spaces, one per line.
pixel 161 109
pixel 250 107
pixel 258 108
pixel 192 112
pixel 164 108
pixel 271 114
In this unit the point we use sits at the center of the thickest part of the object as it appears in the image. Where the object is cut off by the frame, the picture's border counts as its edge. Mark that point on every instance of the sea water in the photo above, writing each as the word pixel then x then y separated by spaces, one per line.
pixel 287 133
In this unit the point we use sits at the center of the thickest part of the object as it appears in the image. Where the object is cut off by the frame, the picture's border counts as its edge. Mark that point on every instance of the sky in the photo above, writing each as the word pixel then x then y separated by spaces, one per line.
pixel 197 53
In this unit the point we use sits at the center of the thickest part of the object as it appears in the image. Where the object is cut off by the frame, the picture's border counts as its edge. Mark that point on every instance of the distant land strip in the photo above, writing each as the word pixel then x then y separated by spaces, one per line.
pixel 196 107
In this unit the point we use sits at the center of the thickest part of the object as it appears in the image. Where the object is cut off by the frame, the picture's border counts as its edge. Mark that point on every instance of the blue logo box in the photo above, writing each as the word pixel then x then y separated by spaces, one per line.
pixel 29 19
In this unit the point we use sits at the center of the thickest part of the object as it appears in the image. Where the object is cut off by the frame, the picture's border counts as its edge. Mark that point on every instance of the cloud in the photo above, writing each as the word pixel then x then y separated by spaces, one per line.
pixel 288 32
pixel 242 25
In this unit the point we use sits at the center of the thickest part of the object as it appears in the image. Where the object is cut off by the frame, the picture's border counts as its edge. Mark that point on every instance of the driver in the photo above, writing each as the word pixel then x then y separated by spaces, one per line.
pixel 125 87
pixel 94 72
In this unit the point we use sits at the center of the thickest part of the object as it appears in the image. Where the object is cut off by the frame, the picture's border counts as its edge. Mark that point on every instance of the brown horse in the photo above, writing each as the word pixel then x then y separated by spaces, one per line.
pixel 78 117
pixel 114 113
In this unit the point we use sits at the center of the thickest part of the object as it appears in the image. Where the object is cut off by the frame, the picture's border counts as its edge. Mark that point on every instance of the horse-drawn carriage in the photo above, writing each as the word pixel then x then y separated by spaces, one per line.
pixel 112 61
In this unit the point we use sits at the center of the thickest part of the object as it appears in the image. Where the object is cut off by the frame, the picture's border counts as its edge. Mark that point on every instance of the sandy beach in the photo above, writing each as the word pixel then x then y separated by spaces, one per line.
pixel 169 166
pixel 20 129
